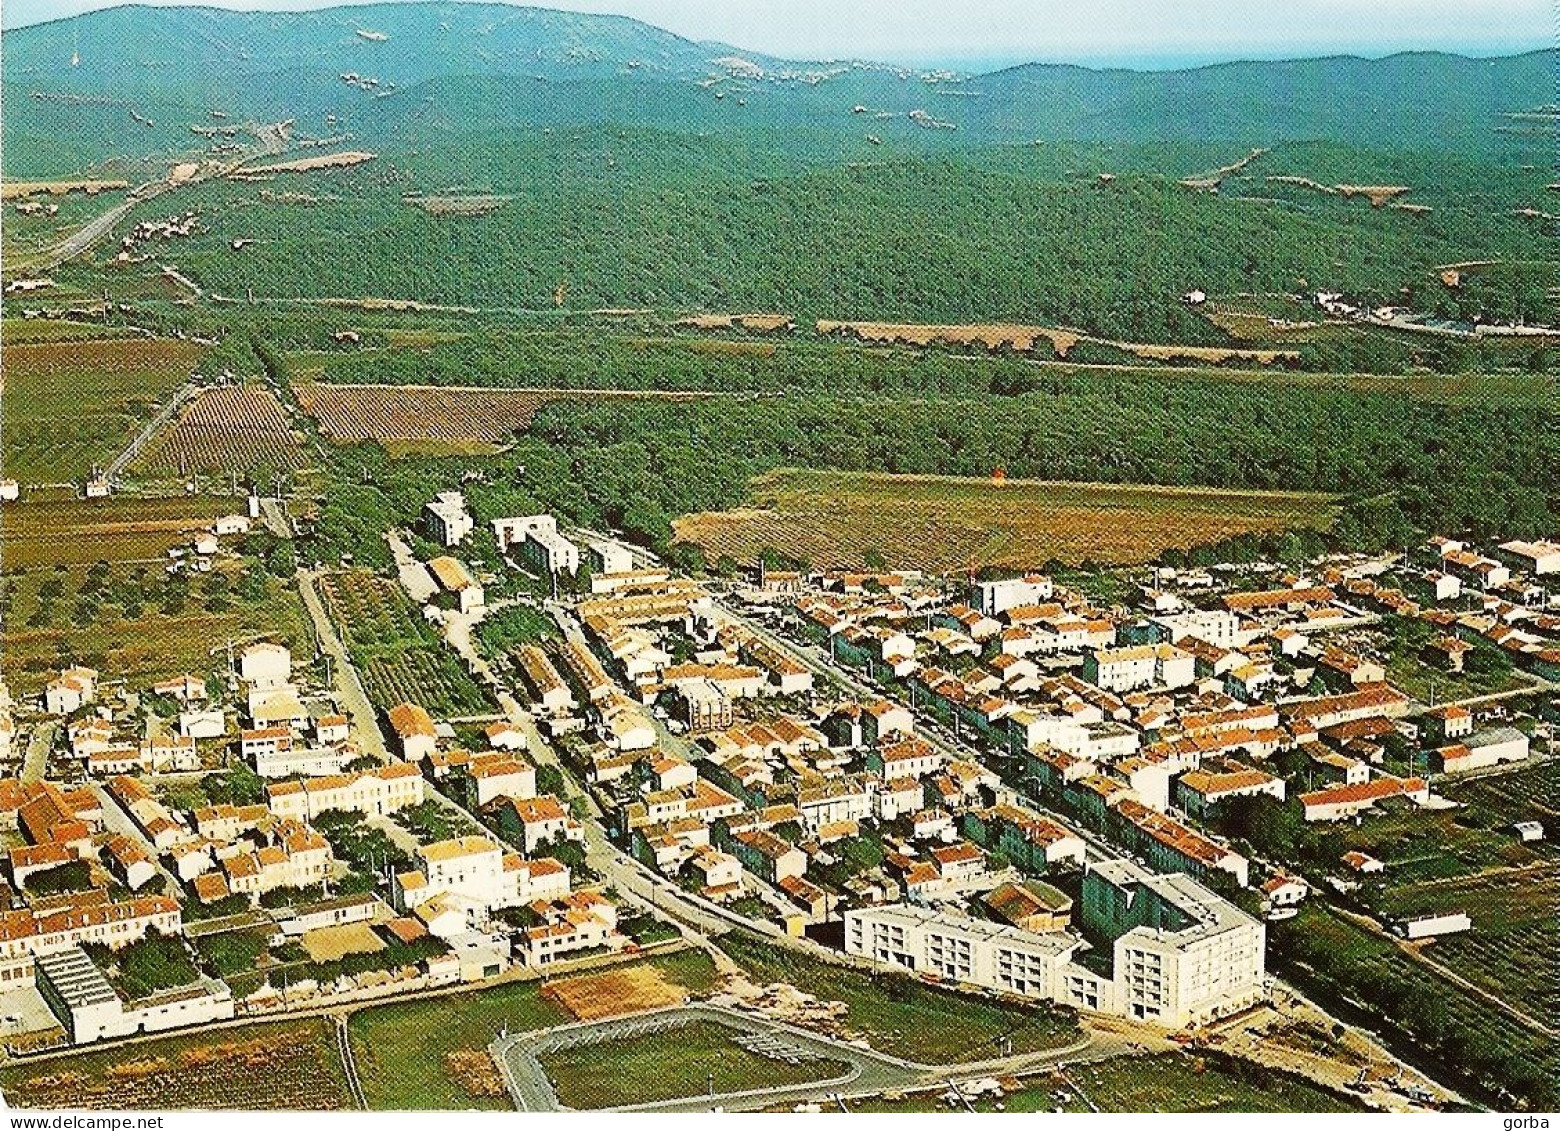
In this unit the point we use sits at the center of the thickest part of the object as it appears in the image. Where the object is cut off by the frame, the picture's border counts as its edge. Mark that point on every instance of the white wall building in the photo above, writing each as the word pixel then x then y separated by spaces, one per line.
pixel 447 519
pixel 993 597
pixel 537 539
pixel 1181 955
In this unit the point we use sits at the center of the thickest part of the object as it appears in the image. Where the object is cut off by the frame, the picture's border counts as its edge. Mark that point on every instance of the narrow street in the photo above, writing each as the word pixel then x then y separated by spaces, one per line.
pixel 35 763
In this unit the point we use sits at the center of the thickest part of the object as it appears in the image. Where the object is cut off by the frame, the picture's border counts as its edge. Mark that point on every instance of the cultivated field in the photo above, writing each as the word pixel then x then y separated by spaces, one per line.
pixel 134 621
pixel 943 523
pixel 59 529
pixel 1022 339
pixel 67 405
pixel 1513 949
pixel 1330 958
pixel 239 428
pixel 395 651
pixel 430 415
pixel 289 1065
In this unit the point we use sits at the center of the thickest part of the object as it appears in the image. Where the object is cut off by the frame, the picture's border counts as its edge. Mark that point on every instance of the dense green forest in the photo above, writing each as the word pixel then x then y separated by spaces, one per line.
pixel 994 234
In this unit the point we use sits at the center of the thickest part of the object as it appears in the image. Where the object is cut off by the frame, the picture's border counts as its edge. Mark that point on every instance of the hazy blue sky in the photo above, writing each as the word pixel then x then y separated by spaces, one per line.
pixel 969 32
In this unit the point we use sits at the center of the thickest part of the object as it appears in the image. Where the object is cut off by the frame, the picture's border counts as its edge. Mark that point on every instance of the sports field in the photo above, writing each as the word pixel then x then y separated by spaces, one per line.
pixel 943 523
pixel 431 1054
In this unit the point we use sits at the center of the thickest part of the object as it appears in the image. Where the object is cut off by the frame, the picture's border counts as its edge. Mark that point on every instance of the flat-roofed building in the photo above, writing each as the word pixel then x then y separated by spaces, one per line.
pixel 956 948
pixel 446 518
pixel 1180 954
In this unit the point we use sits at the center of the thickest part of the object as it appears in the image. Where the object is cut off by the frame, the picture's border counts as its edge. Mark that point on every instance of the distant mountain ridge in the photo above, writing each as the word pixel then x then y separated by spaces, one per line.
pixel 71 86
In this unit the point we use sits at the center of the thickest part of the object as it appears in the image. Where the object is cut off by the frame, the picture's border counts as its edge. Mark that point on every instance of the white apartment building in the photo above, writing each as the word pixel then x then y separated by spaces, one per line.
pixel 1181 955
pixel 1216 626
pixel 536 537
pixel 609 557
pixel 447 519
pixel 1147 665
pixel 476 875
pixel 960 949
pixel 993 597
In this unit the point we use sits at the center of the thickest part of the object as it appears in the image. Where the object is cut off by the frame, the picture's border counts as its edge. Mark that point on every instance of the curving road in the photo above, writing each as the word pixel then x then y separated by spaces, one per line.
pixel 867 1072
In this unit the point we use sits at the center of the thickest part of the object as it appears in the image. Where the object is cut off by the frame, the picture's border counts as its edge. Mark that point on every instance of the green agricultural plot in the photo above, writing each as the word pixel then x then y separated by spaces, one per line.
pixel 1513 948
pixel 943 523
pixel 138 622
pixel 395 651
pixel 70 404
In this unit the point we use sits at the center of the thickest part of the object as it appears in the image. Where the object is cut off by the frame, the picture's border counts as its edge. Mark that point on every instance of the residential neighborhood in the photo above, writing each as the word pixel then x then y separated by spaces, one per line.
pixel 1006 785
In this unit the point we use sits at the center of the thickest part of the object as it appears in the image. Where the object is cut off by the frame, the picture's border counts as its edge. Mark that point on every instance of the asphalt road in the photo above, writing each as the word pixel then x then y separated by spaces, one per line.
pixel 87 235
pixel 867 1072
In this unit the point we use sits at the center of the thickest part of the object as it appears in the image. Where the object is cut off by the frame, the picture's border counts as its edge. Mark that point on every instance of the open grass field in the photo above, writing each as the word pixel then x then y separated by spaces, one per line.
pixel 428 415
pixel 70 404
pixel 908 1018
pixel 944 524
pixel 135 623
pixel 686 1061
pixel 239 428
pixel 414 1055
pixel 57 528
pixel 41 331
pixel 285 1065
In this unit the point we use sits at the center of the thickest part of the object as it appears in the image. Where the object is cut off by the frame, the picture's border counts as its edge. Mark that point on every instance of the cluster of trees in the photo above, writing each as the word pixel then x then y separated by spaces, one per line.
pixel 1400 466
